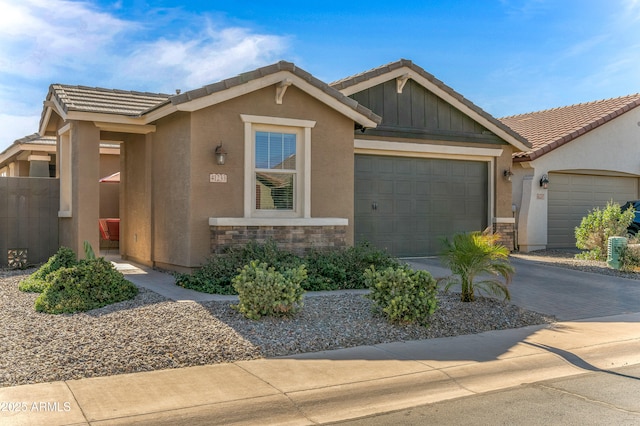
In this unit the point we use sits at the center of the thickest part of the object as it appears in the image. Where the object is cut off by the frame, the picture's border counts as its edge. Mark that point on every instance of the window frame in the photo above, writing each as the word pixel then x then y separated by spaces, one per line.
pixel 302 193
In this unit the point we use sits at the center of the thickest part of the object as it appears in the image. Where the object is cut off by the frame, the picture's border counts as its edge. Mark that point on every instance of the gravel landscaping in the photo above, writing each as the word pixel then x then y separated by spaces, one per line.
pixel 151 332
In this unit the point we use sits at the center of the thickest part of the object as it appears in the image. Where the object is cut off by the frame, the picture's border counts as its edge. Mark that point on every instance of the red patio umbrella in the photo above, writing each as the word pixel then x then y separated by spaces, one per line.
pixel 114 178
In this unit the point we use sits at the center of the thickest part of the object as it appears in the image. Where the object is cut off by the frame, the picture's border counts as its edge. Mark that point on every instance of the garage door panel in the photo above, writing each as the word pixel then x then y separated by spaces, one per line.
pixel 422 201
pixel 573 196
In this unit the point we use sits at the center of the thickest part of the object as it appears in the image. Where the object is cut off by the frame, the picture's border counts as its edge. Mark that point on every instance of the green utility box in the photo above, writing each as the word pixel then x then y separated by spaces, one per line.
pixel 615 246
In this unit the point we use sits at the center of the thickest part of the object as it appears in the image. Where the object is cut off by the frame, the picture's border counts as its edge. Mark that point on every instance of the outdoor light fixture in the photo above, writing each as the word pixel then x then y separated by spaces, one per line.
pixel 507 174
pixel 221 155
pixel 544 182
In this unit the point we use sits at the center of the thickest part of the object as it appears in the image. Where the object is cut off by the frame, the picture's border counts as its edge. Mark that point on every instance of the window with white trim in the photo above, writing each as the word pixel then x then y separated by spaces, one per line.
pixel 277 166
pixel 276 171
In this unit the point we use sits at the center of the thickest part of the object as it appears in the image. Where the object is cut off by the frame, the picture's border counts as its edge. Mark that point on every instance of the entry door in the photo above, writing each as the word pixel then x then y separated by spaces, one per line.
pixel 406 205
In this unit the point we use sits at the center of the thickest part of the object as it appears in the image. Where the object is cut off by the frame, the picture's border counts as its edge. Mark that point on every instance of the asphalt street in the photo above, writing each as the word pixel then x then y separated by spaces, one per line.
pixel 601 397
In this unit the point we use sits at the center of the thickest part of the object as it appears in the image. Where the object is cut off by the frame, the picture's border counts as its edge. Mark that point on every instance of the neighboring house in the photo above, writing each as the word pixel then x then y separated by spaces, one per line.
pixel 35 156
pixel 589 155
pixel 391 156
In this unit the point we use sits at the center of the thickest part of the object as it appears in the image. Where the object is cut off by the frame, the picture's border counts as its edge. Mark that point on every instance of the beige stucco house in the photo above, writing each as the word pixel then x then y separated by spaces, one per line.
pixel 35 156
pixel 392 156
pixel 588 153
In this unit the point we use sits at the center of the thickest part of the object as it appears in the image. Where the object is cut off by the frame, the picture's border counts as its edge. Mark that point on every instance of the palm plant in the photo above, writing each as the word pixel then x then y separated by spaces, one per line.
pixel 471 254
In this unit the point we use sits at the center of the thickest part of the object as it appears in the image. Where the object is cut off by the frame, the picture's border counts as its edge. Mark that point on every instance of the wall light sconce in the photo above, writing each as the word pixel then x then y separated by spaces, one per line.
pixel 544 182
pixel 507 174
pixel 221 155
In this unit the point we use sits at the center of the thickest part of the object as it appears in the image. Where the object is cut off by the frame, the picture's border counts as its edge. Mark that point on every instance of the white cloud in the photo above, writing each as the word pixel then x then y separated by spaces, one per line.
pixel 42 37
pixel 75 42
pixel 15 127
pixel 206 57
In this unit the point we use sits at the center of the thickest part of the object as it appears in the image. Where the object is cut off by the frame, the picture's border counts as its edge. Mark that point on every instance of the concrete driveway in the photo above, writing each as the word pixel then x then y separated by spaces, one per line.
pixel 567 294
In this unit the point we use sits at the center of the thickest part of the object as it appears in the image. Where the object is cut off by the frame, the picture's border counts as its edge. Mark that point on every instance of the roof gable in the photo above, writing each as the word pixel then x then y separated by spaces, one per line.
pixel 282 74
pixel 137 108
pixel 403 70
pixel 550 129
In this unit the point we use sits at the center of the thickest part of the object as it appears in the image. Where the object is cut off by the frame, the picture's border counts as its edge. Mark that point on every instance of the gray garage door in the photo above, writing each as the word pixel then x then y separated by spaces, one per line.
pixel 406 204
pixel 573 196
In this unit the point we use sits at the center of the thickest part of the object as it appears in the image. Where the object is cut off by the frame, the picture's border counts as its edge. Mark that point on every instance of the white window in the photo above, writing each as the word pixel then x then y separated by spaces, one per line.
pixel 277 167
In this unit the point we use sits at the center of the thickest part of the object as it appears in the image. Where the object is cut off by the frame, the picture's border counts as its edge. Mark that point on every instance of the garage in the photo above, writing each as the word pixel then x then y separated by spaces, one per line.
pixel 573 196
pixel 405 205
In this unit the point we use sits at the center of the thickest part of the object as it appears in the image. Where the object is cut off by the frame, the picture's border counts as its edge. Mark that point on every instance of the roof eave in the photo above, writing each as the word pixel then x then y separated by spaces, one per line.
pixel 268 76
pixel 407 69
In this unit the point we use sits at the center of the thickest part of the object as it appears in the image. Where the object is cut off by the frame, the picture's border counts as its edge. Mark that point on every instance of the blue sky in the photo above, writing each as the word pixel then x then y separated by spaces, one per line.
pixel 506 56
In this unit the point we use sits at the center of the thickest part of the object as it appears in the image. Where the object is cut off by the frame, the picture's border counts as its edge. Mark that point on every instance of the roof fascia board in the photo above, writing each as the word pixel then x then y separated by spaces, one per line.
pixel 51 105
pixel 333 102
pixel 400 72
pixel 379 79
pixel 469 112
pixel 104 118
pixel 125 128
pixel 232 92
pixel 159 113
pixel 270 80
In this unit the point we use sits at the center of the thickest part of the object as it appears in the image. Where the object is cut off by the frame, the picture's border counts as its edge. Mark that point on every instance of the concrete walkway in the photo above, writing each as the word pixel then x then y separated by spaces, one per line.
pixel 344 384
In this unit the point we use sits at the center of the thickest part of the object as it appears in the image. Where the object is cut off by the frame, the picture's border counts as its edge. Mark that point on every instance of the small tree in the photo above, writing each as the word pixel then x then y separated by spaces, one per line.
pixel 596 228
pixel 471 254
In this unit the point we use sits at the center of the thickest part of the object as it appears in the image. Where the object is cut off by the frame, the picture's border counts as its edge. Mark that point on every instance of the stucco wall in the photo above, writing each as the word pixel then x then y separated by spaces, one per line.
pixel 331 160
pixel 172 173
pixel 609 149
pixel 82 225
pixel 135 198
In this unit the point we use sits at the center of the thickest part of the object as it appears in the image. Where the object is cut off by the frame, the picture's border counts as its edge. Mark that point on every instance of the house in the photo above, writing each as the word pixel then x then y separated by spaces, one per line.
pixel 582 156
pixel 35 156
pixel 391 156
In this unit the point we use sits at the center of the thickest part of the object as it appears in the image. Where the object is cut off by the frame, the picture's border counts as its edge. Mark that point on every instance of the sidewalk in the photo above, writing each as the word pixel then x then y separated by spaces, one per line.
pixel 334 385
pixel 327 386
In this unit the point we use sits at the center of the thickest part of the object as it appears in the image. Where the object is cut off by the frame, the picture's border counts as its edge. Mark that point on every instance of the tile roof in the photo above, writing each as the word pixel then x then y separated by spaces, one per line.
pixel 135 104
pixel 549 129
pixel 34 139
pixel 387 68
pixel 108 101
pixel 272 69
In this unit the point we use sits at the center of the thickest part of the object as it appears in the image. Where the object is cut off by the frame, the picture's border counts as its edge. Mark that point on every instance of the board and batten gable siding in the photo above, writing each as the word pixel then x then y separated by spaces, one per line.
pixel 420 113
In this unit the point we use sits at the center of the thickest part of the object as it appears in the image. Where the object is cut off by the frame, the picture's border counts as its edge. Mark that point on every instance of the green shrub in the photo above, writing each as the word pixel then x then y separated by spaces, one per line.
pixel 630 258
pixel 401 294
pixel 596 228
pixel 264 291
pixel 37 282
pixel 326 269
pixel 344 268
pixel 472 254
pixel 217 274
pixel 89 284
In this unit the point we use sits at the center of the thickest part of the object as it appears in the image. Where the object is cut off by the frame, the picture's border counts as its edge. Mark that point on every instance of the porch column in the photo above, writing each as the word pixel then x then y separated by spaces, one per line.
pixel 79 160
pixel 39 165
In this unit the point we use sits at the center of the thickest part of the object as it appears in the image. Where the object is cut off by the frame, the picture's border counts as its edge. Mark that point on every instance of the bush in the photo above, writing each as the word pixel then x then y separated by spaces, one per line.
pixel 596 228
pixel 89 284
pixel 264 291
pixel 401 294
pixel 217 274
pixel 344 268
pixel 630 258
pixel 37 282
pixel 326 269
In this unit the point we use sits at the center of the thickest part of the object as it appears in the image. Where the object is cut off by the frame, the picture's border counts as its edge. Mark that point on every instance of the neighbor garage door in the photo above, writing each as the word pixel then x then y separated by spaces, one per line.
pixel 573 196
pixel 406 204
